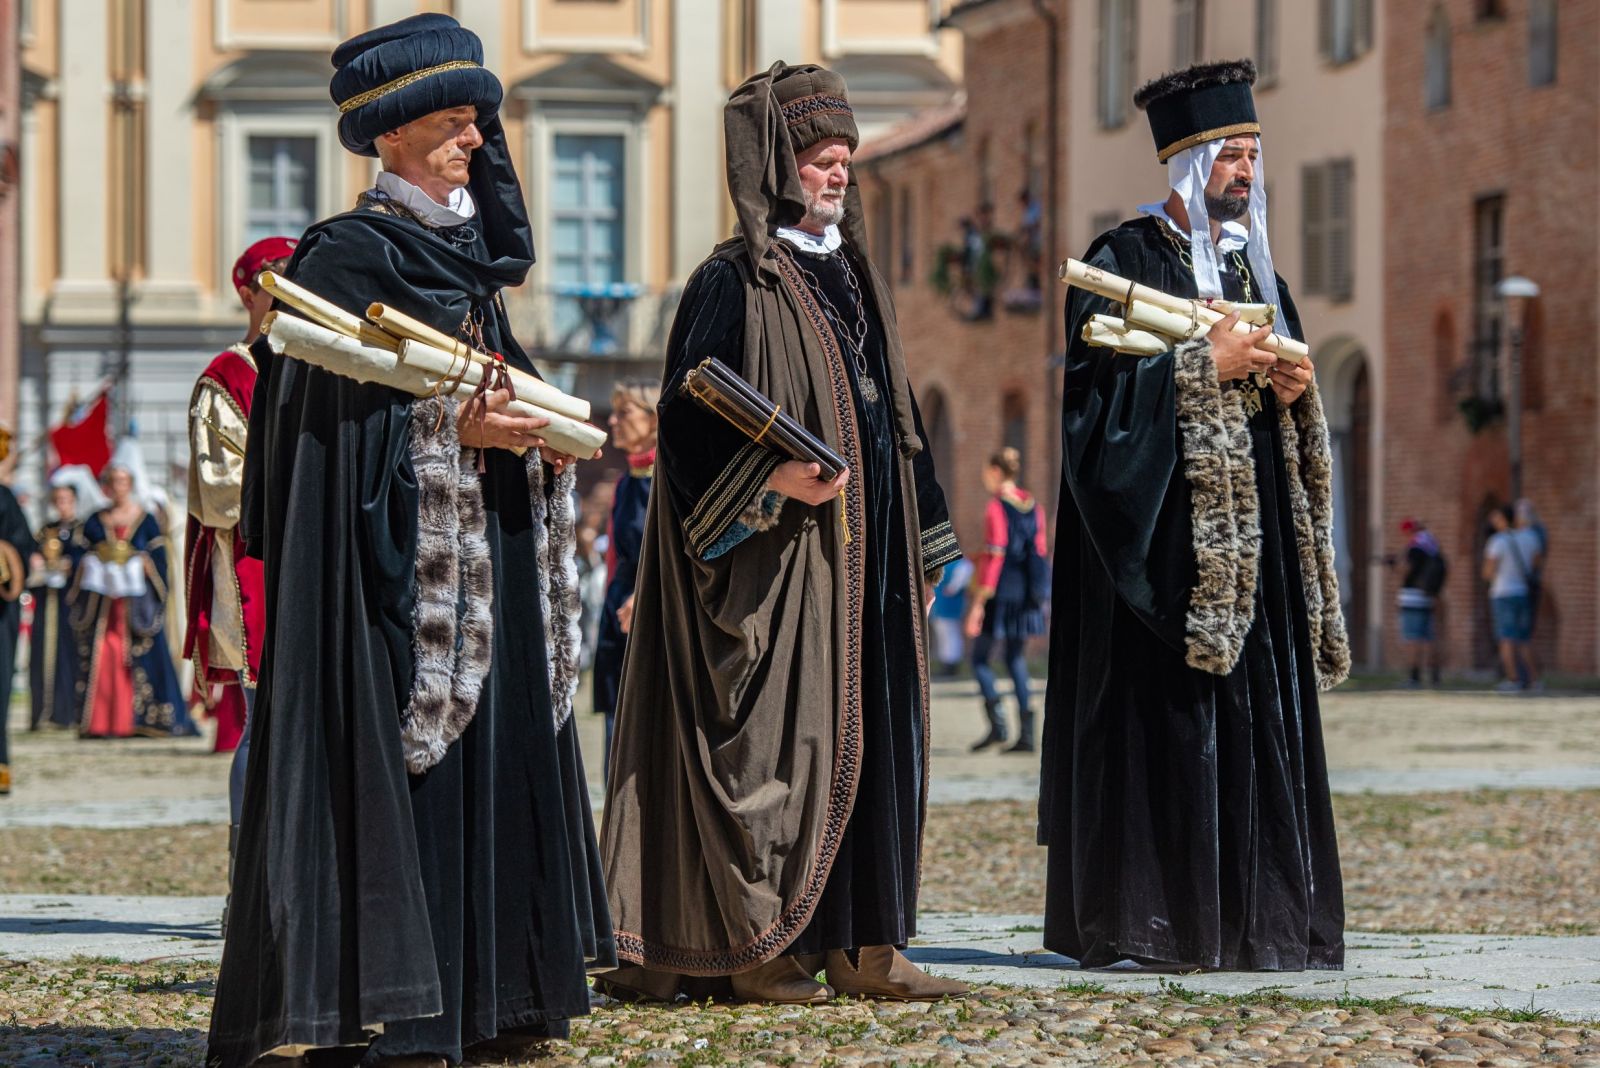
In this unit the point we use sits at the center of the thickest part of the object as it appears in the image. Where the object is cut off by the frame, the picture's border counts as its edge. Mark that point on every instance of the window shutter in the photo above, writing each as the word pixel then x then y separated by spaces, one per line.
pixel 1325 28
pixel 1542 42
pixel 1267 41
pixel 1364 29
pixel 1340 194
pixel 1313 212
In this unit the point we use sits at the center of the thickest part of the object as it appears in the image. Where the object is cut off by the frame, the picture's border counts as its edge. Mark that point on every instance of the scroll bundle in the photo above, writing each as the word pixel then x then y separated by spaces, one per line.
pixel 1153 321
pixel 716 388
pixel 392 349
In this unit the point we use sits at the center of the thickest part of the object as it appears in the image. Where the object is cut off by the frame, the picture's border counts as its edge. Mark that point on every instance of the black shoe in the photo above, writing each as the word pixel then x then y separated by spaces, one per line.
pixel 994 737
pixel 1022 745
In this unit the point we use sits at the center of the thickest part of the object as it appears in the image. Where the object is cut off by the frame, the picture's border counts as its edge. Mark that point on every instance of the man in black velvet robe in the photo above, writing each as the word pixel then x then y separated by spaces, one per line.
pixel 417 868
pixel 768 779
pixel 1185 795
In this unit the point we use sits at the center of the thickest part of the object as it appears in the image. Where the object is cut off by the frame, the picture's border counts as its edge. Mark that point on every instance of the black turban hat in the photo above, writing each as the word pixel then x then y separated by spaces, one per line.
pixel 398 73
pixel 1206 102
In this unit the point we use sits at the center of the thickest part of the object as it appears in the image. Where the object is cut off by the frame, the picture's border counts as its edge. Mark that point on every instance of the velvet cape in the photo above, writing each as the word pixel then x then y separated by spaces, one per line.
pixel 445 907
pixel 1184 789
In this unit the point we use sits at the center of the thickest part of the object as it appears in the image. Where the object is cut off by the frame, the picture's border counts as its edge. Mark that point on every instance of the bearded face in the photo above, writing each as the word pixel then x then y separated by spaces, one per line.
pixel 1232 175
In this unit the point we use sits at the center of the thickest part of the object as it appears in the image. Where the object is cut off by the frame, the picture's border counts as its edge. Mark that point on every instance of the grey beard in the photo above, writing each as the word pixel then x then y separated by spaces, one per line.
pixel 1226 208
pixel 821 213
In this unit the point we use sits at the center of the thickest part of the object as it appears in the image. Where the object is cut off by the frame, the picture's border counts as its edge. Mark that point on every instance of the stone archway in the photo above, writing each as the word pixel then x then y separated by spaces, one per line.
pixel 1344 378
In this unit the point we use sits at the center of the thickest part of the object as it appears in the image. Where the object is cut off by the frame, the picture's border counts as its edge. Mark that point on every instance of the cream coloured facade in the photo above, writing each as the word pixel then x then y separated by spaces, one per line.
pixel 159 137
pixel 1321 104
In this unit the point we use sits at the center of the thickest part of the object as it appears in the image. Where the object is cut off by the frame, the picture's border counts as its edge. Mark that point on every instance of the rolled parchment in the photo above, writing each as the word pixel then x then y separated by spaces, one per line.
pixel 1186 310
pixel 524 385
pixel 325 312
pixel 1109 332
pixel 419 370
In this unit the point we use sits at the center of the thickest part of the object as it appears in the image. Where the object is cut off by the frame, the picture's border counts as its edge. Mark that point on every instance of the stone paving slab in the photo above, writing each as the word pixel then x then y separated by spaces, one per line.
pixel 1484 972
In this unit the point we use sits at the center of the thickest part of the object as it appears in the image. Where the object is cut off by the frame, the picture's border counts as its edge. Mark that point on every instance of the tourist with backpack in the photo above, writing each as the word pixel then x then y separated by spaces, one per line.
pixel 1419 593
pixel 1008 597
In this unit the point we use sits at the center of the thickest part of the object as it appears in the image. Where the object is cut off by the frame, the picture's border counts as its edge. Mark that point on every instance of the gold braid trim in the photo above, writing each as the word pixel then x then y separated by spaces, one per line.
pixel 1216 132
pixel 400 83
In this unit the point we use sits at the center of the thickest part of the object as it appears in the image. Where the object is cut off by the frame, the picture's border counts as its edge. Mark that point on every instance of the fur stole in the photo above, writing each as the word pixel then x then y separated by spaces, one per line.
pixel 1225 514
pixel 453 620
pixel 555 543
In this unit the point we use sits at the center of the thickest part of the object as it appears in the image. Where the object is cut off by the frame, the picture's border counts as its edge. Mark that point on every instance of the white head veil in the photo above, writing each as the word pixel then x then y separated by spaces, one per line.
pixel 130 458
pixel 81 481
pixel 1187 174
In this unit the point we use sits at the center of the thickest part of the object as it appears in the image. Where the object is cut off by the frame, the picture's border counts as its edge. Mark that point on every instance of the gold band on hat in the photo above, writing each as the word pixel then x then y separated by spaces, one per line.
pixel 401 82
pixel 1213 134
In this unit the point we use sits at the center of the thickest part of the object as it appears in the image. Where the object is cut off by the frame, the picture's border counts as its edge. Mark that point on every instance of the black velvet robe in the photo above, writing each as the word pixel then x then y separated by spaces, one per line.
pixel 14 529
pixel 446 906
pixel 627 537
pixel 53 666
pixel 1187 813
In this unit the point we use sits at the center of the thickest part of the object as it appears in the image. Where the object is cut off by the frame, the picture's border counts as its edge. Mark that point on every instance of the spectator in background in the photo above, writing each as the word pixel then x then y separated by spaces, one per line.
pixel 1511 562
pixel 633 432
pixel 949 606
pixel 1419 591
pixel 1527 520
pixel 1008 598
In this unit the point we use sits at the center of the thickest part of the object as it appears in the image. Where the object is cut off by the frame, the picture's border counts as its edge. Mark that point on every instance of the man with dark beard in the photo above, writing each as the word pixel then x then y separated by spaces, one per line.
pixel 769 769
pixel 416 868
pixel 1184 789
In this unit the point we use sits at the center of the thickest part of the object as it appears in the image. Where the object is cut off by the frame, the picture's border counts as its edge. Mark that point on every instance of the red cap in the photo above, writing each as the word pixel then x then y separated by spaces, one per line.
pixel 1409 526
pixel 258 255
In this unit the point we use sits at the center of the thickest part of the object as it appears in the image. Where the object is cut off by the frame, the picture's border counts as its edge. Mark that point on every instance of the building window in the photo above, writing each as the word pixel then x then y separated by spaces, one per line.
pixel 1327 192
pixel 282 188
pixel 1344 29
pixel 1490 10
pixel 1488 311
pixel 908 247
pixel 588 197
pixel 1266 43
pixel 883 226
pixel 1436 61
pixel 1188 32
pixel 1542 42
pixel 1117 53
pixel 1444 368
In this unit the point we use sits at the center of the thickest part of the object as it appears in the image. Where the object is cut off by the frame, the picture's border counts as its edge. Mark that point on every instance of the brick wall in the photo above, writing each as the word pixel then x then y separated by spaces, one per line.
pixel 1540 148
pixel 982 370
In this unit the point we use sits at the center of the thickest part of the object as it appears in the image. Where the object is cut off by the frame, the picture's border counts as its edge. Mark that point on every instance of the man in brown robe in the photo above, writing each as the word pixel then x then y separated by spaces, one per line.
pixel 768 782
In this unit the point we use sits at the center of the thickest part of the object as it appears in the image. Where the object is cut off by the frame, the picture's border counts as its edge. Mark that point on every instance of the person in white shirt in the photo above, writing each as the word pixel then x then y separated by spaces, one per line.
pixel 1511 561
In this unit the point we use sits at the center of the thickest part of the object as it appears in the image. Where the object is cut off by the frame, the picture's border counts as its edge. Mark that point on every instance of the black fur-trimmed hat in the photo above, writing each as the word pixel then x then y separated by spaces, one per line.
pixel 1201 103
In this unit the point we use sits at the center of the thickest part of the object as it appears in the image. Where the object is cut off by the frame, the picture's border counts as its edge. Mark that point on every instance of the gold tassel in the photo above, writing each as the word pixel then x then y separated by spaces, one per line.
pixel 844 518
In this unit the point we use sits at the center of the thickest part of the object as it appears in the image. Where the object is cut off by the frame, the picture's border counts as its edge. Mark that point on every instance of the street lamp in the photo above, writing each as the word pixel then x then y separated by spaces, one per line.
pixel 1519 291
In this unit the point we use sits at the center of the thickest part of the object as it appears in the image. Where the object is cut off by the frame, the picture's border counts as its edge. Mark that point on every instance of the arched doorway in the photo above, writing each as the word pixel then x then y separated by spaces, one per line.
pixel 1346 386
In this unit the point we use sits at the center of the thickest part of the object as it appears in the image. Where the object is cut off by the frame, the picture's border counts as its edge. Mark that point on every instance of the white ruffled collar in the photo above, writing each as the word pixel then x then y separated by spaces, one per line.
pixel 460 209
pixel 816 244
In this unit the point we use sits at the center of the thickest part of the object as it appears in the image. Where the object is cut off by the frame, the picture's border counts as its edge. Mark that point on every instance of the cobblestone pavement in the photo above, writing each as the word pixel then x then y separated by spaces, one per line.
pixel 85 1012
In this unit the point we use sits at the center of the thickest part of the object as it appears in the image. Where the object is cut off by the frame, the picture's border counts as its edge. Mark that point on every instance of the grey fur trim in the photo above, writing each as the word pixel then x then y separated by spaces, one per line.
pixel 555 546
pixel 447 676
pixel 1224 511
pixel 1309 463
pixel 1199 76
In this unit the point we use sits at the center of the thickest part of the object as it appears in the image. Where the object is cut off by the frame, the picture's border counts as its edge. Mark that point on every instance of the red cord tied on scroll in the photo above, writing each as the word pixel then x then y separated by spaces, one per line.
pixel 495 376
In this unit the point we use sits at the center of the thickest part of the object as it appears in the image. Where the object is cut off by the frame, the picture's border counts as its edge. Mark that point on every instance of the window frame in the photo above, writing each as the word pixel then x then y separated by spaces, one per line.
pixel 1488 309
pixel 1114 103
pixel 235 127
pixel 1269 39
pixel 1440 35
pixel 1188 52
pixel 1551 42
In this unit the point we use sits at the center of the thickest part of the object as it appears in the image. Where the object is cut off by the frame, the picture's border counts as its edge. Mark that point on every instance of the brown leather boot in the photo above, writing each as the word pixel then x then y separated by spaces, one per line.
pixel 630 982
pixel 884 972
pixel 783 981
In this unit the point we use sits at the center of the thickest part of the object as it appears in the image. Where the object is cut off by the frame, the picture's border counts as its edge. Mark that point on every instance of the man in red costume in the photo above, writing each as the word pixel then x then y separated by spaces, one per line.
pixel 225 609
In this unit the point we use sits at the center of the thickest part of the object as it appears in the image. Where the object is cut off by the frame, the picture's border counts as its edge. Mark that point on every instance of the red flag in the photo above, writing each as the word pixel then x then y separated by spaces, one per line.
pixel 84 441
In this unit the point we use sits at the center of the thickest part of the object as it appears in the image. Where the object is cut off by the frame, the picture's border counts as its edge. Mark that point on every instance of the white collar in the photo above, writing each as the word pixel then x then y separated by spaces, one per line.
pixel 1234 235
pixel 829 241
pixel 459 210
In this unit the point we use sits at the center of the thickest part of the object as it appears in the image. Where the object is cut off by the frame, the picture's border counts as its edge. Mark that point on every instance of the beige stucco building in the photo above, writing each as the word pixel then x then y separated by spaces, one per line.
pixel 1321 103
pixel 160 137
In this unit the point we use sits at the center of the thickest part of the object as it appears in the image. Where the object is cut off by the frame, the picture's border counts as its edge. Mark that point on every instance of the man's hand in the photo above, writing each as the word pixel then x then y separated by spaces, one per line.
pixel 1289 380
pixel 800 481
pixel 625 615
pixel 499 429
pixel 929 592
pixel 1239 355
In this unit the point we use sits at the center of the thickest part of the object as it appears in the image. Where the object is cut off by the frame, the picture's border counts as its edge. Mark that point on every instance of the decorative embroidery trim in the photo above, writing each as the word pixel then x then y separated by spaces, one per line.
pixel 798 111
pixel 1216 132
pixel 846 772
pixel 401 82
pixel 939 546
pixel 736 487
